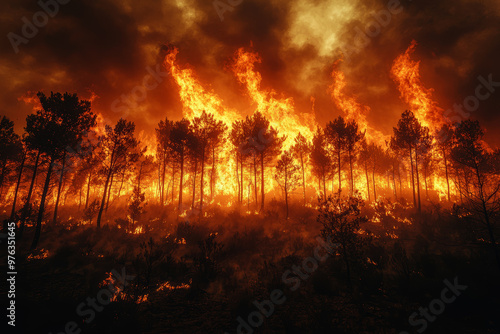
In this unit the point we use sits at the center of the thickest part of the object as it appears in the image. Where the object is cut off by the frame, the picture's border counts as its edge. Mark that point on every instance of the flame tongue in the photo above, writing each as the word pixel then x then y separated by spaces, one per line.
pixel 280 112
pixel 353 109
pixel 406 74
pixel 194 97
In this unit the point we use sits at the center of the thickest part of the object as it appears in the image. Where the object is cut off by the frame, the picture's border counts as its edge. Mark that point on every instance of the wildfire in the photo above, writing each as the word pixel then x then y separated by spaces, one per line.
pixel 280 111
pixel 406 74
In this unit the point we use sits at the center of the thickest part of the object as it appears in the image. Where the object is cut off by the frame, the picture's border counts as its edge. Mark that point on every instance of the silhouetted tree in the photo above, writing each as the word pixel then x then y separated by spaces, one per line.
pixel 57 127
pixel 162 152
pixel 301 151
pixel 287 175
pixel 208 133
pixel 444 143
pixel 353 139
pixel 266 143
pixel 119 151
pixel 336 134
pixel 470 152
pixel 179 139
pixel 10 148
pixel 320 159
pixel 407 136
pixel 341 219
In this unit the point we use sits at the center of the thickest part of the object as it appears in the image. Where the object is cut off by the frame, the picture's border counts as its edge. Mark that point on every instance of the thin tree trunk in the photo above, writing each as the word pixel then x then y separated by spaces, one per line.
pixel 28 199
pixel 255 179
pixel 367 182
pixel 418 180
pixel 103 201
pixel 41 210
pixel 201 182
pixel 109 192
pixel 303 177
pixel 412 179
pixel 286 192
pixel 446 173
pixel 212 175
pixel 262 180
pixel 340 179
pixel 19 176
pixel 54 221
pixel 194 183
pixel 88 190
pixel 374 186
pixel 352 178
pixel 179 208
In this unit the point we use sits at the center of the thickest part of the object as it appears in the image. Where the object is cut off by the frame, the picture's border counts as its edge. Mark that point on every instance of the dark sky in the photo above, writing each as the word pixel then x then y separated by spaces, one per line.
pixel 106 46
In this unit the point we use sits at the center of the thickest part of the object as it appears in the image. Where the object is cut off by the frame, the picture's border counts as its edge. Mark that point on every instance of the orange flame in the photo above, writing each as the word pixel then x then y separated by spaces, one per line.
pixel 406 73
pixel 280 111
pixel 353 109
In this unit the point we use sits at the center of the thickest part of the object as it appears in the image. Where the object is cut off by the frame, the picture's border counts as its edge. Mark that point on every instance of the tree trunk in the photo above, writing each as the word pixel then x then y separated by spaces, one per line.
pixel 179 208
pixel 194 183
pixel 103 201
pixel 262 180
pixel 255 179
pixel 340 178
pixel 374 186
pixel 352 178
pixel 163 175
pixel 412 179
pixel 418 180
pixel 303 176
pixel 59 188
pixel 30 192
pixel 286 192
pixel 41 210
pixel 394 181
pixel 446 173
pixel 88 190
pixel 238 178
pixel 13 212
pixel 212 175
pixel 201 182
pixel 109 191
pixel 367 182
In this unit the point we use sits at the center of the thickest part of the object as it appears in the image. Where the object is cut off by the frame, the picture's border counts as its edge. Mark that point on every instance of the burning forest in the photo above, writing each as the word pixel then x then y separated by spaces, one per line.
pixel 279 167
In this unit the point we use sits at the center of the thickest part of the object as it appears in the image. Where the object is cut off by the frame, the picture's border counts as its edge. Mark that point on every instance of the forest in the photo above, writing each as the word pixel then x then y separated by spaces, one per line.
pixel 207 220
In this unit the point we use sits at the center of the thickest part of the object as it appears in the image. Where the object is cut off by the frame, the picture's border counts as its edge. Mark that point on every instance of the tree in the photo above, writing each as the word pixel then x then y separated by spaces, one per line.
pixel 238 140
pixel 208 133
pixel 57 127
pixel 180 135
pixel 353 139
pixel 287 175
pixel 162 152
pixel 266 143
pixel 10 148
pixel 119 151
pixel 341 219
pixel 407 136
pixel 444 141
pixel 336 134
pixel 320 159
pixel 301 150
pixel 470 152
